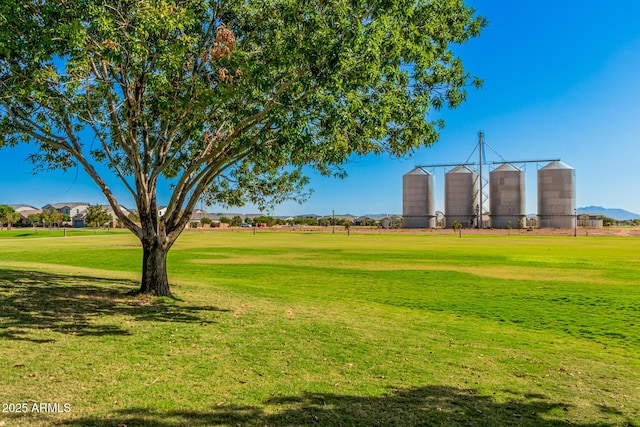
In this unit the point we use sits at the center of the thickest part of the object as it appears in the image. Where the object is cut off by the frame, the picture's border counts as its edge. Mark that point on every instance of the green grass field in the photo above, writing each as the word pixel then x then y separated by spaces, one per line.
pixel 321 329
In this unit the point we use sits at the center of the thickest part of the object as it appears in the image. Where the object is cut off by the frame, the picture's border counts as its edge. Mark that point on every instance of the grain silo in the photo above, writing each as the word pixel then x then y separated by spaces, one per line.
pixel 418 208
pixel 507 196
pixel 556 196
pixel 460 196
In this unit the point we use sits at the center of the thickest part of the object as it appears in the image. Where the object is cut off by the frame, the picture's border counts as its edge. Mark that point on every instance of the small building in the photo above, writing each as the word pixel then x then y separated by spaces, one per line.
pixel 362 221
pixel 590 221
pixel 390 221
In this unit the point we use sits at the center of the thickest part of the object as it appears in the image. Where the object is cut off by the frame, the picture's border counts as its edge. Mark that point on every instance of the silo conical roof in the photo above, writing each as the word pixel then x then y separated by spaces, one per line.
pixel 557 164
pixel 418 171
pixel 506 167
pixel 460 169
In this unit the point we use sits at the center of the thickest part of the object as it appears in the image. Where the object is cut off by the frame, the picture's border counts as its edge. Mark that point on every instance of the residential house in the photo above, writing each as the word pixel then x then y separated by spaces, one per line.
pixel 198 214
pixel 24 216
pixel 363 220
pixel 24 211
pixel 68 208
pixel 252 216
pixel 79 219
pixel 308 216
pixel 22 208
pixel 114 218
pixel 342 219
pixel 384 221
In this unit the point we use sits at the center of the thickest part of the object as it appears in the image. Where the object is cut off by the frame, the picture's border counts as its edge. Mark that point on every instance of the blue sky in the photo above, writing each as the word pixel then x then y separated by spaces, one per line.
pixel 561 80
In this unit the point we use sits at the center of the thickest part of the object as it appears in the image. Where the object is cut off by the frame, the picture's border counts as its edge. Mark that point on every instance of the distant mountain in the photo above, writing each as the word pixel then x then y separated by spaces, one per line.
pixel 619 214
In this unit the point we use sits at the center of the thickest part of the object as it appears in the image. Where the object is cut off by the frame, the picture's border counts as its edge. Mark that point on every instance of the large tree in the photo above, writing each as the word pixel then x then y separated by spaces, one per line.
pixel 223 101
pixel 97 217
pixel 8 216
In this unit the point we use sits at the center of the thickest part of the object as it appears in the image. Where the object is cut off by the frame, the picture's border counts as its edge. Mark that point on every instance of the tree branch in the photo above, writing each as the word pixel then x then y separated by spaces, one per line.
pixel 35 130
pixel 186 182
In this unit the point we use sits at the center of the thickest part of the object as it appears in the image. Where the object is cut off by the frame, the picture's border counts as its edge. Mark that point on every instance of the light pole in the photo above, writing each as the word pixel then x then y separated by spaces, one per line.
pixel 333 221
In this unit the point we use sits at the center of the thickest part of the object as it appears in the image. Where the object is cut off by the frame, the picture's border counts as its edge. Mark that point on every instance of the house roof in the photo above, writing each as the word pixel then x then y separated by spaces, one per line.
pixel 21 208
pixel 347 217
pixel 377 217
pixel 254 215
pixel 199 214
pixel 65 204
pixel 109 209
pixel 25 213
pixel 228 214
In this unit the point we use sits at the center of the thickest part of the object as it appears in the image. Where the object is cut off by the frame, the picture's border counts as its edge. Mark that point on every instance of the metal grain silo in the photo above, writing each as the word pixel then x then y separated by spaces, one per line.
pixel 418 207
pixel 507 196
pixel 460 196
pixel 556 196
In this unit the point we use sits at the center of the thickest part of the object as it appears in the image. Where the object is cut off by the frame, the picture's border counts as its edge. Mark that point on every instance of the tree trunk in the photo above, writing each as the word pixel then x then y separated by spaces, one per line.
pixel 154 270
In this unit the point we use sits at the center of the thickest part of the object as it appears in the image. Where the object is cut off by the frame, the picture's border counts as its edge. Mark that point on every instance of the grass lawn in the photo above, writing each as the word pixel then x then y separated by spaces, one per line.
pixel 315 328
pixel 39 232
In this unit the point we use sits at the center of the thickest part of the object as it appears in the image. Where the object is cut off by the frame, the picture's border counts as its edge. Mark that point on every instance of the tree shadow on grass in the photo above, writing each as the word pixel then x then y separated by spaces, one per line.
pixel 420 406
pixel 35 300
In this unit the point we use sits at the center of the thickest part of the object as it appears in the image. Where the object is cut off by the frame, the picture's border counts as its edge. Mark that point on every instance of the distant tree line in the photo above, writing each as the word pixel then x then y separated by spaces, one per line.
pixel 270 221
pixel 612 221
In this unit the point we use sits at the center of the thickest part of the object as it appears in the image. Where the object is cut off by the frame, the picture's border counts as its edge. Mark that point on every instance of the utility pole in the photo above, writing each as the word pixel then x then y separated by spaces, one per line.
pixel 480 149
